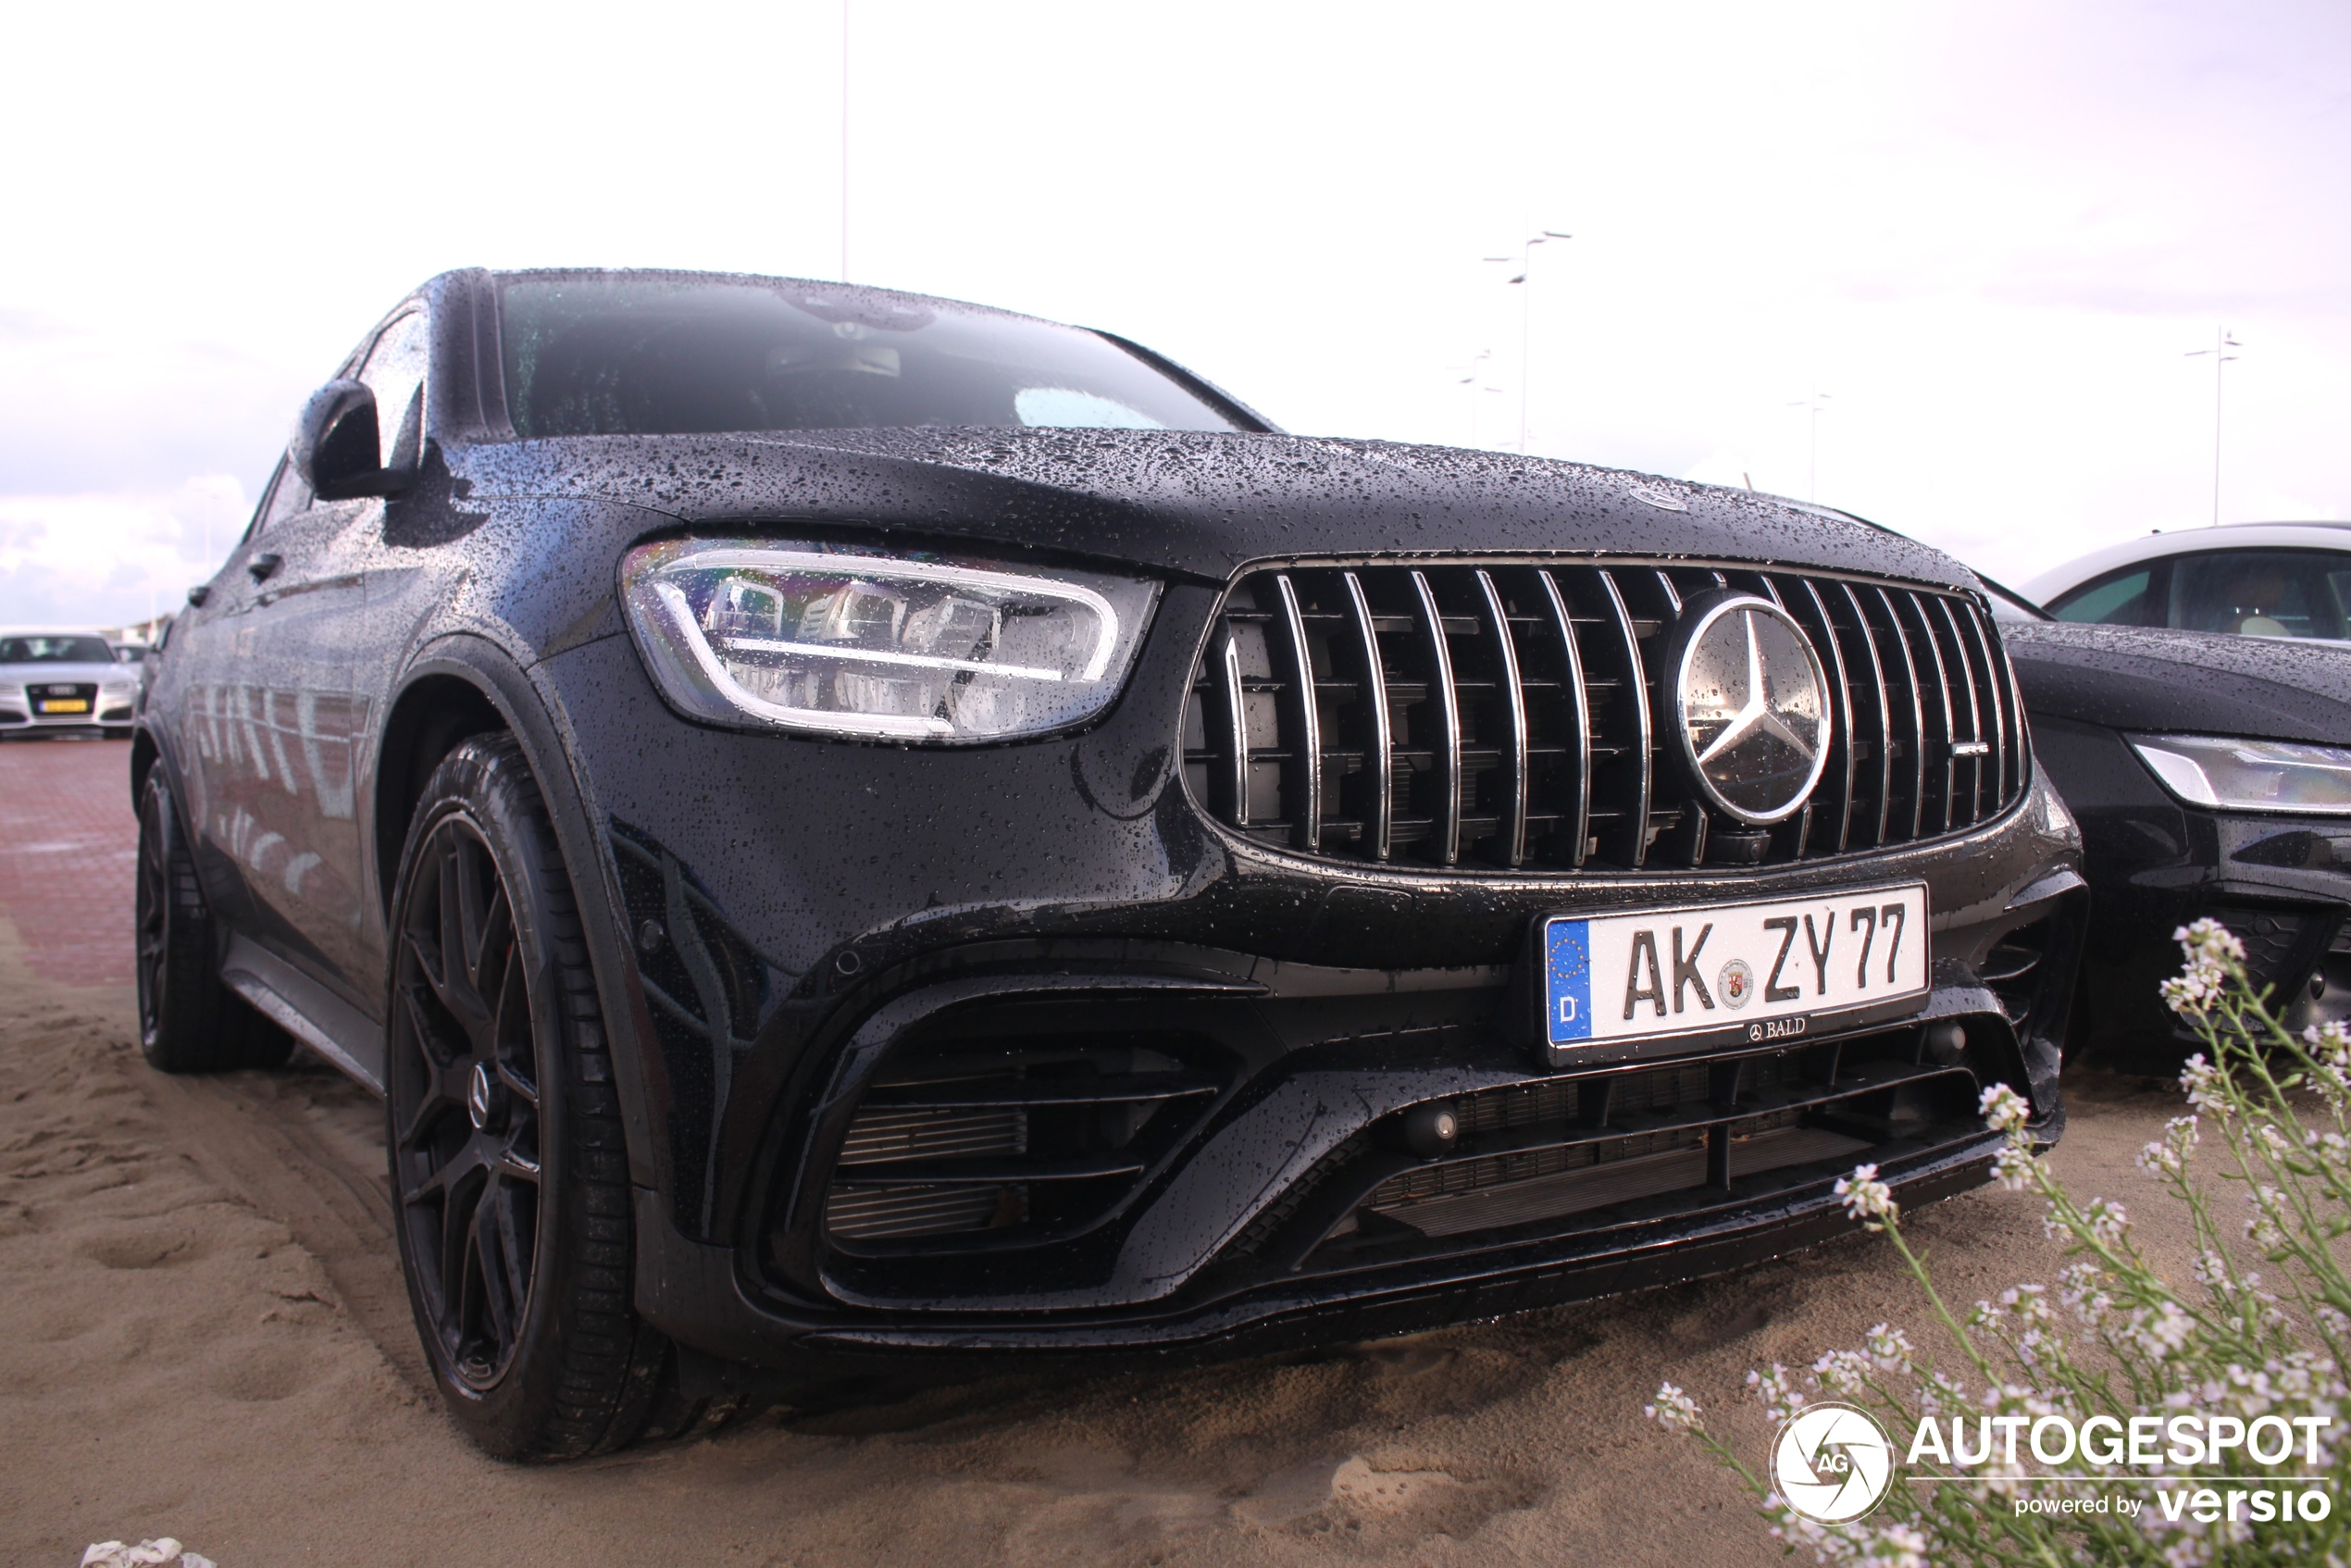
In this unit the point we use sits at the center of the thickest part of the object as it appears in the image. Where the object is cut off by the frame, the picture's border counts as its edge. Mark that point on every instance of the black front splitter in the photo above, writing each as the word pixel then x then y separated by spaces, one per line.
pixel 1323 1309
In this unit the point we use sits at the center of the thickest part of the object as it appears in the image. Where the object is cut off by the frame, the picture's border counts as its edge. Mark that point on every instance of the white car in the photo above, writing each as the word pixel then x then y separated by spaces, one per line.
pixel 63 681
pixel 2255 579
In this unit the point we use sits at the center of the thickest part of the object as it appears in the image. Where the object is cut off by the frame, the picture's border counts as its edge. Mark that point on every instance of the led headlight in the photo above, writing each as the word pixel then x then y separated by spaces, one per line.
pixel 897 647
pixel 2208 770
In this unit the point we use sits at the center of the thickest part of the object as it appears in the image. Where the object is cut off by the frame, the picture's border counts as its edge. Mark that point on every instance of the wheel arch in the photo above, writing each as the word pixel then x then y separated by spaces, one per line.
pixel 151 751
pixel 460 685
pixel 144 755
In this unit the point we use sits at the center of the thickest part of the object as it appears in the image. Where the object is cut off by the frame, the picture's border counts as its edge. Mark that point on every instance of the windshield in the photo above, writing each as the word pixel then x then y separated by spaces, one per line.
pixel 55 651
pixel 675 356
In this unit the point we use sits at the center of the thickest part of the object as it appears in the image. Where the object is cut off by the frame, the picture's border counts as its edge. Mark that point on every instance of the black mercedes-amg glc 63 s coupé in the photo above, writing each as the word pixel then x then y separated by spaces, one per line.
pixel 850 828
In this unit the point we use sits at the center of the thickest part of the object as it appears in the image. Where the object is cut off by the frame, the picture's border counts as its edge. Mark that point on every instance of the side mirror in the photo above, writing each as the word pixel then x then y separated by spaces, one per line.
pixel 336 446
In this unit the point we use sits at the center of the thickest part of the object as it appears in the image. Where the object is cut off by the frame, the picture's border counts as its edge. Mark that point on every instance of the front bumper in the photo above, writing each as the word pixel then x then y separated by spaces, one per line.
pixel 115 719
pixel 803 915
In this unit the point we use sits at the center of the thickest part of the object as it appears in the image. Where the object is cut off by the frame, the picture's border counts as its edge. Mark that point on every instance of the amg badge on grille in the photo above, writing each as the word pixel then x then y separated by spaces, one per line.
pixel 1751 702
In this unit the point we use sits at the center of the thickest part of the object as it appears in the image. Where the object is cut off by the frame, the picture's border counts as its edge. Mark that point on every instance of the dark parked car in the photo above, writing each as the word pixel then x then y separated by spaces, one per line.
pixel 2211 776
pixel 851 828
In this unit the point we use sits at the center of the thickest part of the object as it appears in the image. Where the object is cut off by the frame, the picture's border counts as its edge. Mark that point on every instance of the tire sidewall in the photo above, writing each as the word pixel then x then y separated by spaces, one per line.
pixel 479 783
pixel 153 975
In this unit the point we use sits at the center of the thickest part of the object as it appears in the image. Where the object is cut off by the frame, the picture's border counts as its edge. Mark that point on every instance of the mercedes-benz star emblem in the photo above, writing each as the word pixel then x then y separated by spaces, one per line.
pixel 481 1097
pixel 1752 706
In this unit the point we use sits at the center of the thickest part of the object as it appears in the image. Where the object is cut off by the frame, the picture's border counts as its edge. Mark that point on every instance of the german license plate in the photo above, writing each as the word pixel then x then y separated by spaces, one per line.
pixel 1766 966
pixel 64 706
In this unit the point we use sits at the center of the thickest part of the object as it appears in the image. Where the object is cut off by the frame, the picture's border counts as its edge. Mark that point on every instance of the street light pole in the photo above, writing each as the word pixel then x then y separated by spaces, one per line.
pixel 844 140
pixel 1527 321
pixel 2222 343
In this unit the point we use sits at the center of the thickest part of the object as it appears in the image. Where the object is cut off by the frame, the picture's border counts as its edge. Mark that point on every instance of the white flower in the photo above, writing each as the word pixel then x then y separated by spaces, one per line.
pixel 1777 1390
pixel 2003 1109
pixel 2107 1222
pixel 1889 1347
pixel 2162 1332
pixel 1672 1409
pixel 1842 1371
pixel 2167 1157
pixel 1897 1546
pixel 1866 1197
pixel 2209 938
pixel 2016 1166
pixel 2212 955
pixel 2203 1084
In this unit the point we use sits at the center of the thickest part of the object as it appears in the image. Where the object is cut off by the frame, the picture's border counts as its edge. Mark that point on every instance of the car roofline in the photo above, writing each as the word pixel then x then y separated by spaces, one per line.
pixel 2045 586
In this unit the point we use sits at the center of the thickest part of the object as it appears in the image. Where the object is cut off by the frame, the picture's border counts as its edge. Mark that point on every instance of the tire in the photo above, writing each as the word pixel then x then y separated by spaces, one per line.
pixel 189 1022
pixel 508 1168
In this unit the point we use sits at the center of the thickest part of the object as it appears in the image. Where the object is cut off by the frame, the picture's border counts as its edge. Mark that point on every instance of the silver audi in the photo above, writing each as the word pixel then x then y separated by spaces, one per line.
pixel 62 681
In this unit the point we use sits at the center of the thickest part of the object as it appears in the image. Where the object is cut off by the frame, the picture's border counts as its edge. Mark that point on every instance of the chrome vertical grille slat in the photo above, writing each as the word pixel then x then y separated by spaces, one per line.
pixel 1975 715
pixel 1500 714
pixel 1881 714
pixel 1942 690
pixel 1446 746
pixel 1579 708
pixel 1914 736
pixel 1306 762
pixel 1513 692
pixel 1633 833
pixel 1381 744
pixel 1988 665
pixel 1839 773
pixel 1235 710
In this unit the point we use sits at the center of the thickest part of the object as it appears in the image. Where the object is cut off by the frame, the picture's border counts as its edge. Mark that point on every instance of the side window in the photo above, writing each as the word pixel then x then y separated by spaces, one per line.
pixel 395 373
pixel 288 495
pixel 2118 599
pixel 2259 593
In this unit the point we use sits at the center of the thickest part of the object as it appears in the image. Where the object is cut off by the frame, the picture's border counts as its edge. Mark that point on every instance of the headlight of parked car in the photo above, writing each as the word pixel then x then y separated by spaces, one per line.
pixel 2208 770
pixel 847 641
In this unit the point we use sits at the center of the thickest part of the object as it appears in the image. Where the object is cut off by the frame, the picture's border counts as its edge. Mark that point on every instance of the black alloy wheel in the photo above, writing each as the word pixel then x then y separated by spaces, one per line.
pixel 469 1146
pixel 189 1022
pixel 506 1152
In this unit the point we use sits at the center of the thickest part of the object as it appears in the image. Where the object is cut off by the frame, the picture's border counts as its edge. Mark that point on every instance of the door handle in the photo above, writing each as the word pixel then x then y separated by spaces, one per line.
pixel 264 565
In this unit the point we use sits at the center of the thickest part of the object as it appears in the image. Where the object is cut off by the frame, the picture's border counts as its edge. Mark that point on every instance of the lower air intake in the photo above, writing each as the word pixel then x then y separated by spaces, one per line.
pixel 1016 1142
pixel 1627 1146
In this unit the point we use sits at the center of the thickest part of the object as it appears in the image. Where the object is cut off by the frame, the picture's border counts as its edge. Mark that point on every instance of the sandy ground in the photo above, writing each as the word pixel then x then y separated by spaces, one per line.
pixel 202 1333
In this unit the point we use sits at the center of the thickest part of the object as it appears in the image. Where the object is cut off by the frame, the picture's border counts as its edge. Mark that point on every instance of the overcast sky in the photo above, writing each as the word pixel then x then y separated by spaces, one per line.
pixel 1989 233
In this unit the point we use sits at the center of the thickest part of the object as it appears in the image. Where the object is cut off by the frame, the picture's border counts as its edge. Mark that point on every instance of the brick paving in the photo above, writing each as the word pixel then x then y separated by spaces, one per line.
pixel 69 845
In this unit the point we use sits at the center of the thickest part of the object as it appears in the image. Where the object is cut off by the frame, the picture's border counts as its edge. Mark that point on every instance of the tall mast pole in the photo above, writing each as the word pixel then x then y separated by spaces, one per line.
pixel 844 140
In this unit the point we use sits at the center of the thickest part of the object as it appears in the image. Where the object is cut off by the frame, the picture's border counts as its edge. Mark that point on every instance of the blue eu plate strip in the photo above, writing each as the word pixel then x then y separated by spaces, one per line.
pixel 1567 980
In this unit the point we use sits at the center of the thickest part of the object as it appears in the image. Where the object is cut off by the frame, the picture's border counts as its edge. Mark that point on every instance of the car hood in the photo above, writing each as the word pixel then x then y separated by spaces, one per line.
pixel 2129 678
pixel 1198 504
pixel 43 674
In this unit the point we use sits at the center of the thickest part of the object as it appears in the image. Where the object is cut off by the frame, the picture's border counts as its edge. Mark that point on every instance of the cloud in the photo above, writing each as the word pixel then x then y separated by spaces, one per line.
pixel 106 558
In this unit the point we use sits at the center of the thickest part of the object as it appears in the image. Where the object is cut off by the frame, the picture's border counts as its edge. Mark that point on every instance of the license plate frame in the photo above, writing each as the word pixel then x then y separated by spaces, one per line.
pixel 1676 983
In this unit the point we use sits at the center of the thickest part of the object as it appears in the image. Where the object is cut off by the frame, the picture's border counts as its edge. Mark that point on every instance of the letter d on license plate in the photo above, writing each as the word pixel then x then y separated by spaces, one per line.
pixel 1767 967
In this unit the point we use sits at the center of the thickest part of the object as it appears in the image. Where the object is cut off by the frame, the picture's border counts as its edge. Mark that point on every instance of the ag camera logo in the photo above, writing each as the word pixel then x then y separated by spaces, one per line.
pixel 1832 1463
